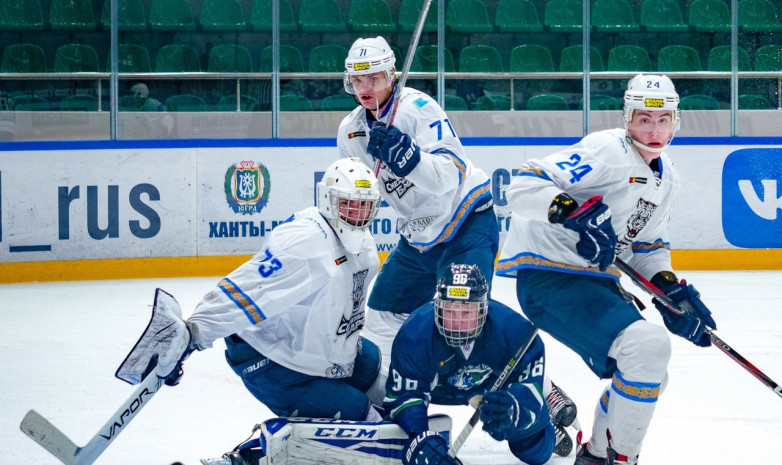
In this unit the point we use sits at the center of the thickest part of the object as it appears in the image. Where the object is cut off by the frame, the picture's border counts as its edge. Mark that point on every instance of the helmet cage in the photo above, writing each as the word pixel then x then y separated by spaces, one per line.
pixel 461 304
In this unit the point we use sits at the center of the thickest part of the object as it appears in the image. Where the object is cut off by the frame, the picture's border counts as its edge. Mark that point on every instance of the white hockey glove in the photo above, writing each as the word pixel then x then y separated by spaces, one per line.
pixel 163 346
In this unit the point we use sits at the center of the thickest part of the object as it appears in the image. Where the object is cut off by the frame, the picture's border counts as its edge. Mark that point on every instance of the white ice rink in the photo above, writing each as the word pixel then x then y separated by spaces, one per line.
pixel 60 344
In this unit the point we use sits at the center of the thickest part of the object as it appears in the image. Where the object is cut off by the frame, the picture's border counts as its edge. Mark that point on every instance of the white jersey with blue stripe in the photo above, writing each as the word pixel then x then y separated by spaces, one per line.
pixel 602 163
pixel 435 198
pixel 299 301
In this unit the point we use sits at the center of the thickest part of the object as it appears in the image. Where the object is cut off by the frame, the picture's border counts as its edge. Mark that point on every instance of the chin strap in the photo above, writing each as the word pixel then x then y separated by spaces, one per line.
pixel 634 142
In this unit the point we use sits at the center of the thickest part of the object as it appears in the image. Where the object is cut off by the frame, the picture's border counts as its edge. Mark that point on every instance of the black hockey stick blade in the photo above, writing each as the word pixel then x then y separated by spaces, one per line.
pixel 644 284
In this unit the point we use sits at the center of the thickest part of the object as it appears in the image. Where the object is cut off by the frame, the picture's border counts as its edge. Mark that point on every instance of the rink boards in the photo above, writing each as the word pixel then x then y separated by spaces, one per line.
pixel 109 210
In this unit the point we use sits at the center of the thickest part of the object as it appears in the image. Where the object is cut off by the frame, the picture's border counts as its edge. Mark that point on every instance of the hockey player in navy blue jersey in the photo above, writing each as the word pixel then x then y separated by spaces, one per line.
pixel 454 348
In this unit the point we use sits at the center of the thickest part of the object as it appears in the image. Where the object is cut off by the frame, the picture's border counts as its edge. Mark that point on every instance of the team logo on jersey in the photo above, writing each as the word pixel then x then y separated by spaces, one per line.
pixel 348 326
pixel 637 221
pixel 357 134
pixel 468 377
pixel 247 187
pixel 398 186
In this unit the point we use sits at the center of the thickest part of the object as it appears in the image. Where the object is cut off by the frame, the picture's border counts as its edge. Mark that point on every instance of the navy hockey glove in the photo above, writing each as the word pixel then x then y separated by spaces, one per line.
pixel 394 148
pixel 597 239
pixel 692 323
pixel 427 448
pixel 503 416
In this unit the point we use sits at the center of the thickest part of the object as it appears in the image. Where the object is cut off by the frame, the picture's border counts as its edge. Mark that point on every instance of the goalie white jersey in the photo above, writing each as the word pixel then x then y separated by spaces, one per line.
pixel 299 301
pixel 434 199
pixel 640 199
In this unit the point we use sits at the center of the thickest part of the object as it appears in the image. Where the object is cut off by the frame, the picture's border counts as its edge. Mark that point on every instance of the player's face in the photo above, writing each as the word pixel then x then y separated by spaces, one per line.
pixel 460 317
pixel 651 128
pixel 372 90
pixel 356 212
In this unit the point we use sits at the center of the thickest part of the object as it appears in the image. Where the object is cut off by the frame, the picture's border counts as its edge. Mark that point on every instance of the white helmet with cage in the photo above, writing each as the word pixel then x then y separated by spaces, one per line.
pixel 461 304
pixel 348 198
pixel 369 56
pixel 652 92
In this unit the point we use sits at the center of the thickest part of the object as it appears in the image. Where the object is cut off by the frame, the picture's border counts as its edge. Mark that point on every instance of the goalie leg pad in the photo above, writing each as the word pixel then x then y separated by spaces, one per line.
pixel 338 442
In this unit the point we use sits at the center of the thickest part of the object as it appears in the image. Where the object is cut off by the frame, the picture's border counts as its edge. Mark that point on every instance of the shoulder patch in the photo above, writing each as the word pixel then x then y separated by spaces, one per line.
pixel 420 102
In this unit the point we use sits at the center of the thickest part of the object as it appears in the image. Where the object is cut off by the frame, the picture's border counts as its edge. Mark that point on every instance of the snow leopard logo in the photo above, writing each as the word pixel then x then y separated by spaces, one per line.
pixel 637 221
pixel 399 186
pixel 348 326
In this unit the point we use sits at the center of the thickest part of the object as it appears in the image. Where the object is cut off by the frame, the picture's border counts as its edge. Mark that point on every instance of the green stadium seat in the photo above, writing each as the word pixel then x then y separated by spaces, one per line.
pixel 177 58
pixel 338 102
pixel 754 102
pixel 409 10
pixel 79 103
pixel 531 58
pixel 291 60
pixel 720 59
pixel 171 15
pixel 229 58
pixel 699 102
pixel 74 58
pixel 467 17
pixel 564 16
pixel 480 59
pixel 571 59
pixel 710 16
pixel 425 59
pixel 291 102
pixel 222 15
pixel 662 16
pixel 185 102
pixel 21 15
pixel 678 58
pixel 758 16
pixel 72 15
pixel 629 58
pixel 131 58
pixel 768 58
pixel 327 58
pixel 601 102
pixel 246 103
pixel 547 102
pixel 517 16
pixel 23 58
pixel 30 103
pixel 492 103
pixel 453 103
pixel 131 15
pixel 370 15
pixel 321 16
pixel 130 103
pixel 613 16
pixel 261 15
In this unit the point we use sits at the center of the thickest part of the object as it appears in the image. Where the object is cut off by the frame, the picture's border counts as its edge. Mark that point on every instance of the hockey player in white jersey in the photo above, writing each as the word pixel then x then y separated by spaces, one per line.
pixel 561 245
pixel 291 316
pixel 443 202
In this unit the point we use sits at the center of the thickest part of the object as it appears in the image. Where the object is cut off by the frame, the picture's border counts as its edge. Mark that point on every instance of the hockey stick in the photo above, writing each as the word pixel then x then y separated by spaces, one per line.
pixel 55 441
pixel 459 441
pixel 655 292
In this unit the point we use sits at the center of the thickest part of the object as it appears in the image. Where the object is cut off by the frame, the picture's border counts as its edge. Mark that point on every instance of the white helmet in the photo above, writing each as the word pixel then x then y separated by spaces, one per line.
pixel 348 198
pixel 653 92
pixel 368 56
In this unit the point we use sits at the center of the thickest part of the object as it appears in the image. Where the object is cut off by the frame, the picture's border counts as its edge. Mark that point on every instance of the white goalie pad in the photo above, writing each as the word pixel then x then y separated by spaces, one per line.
pixel 289 441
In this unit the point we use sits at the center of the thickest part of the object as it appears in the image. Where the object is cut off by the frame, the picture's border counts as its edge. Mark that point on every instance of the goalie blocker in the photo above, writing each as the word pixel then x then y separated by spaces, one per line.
pixel 305 440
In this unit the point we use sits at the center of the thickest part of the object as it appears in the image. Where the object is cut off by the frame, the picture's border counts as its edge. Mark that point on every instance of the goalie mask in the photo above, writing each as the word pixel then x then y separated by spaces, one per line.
pixel 369 56
pixel 652 92
pixel 460 304
pixel 348 199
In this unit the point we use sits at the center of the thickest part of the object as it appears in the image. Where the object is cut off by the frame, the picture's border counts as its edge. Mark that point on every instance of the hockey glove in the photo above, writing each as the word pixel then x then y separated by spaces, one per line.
pixel 427 448
pixel 503 416
pixel 597 239
pixel 695 317
pixel 394 148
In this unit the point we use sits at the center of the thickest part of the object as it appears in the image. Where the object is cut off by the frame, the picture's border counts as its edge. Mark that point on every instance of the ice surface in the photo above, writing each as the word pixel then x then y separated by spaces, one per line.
pixel 60 344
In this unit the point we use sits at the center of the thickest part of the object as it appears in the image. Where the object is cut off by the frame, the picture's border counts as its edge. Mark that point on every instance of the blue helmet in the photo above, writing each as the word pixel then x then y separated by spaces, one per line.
pixel 461 303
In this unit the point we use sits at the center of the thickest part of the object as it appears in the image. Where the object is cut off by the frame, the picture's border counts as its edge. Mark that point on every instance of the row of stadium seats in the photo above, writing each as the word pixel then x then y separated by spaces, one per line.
pixel 462 16
pixel 344 103
pixel 30 58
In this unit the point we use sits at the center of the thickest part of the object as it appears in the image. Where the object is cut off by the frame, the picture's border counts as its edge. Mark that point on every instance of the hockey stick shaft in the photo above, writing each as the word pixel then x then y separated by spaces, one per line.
pixel 653 290
pixel 58 444
pixel 419 27
pixel 467 430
